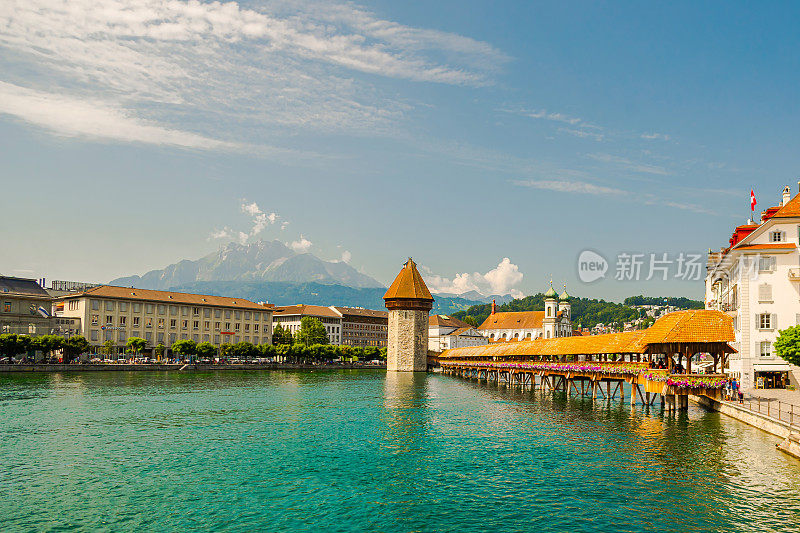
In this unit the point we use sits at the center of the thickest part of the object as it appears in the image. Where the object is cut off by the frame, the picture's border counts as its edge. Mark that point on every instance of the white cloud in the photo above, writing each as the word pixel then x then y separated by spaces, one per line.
pixel 224 233
pixel 499 280
pixel 583 133
pixel 72 117
pixel 300 246
pixel 630 165
pixel 284 224
pixel 260 219
pixel 346 256
pixel 579 187
pixel 655 136
pixel 143 66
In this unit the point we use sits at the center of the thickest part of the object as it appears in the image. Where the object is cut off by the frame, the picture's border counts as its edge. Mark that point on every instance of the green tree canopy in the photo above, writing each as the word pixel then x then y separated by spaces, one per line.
pixel 787 345
pixel 206 350
pixel 135 345
pixel 281 336
pixel 184 347
pixel 75 346
pixel 312 331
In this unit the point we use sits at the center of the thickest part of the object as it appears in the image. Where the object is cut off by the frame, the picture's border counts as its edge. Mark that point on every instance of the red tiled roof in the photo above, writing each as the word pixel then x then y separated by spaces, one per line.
pixel 128 293
pixel 514 320
pixel 767 246
pixel 306 310
pixel 358 311
pixel 446 321
pixel 790 210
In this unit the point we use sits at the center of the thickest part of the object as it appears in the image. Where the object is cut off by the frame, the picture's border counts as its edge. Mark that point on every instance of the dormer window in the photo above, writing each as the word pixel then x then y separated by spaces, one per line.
pixel 776 236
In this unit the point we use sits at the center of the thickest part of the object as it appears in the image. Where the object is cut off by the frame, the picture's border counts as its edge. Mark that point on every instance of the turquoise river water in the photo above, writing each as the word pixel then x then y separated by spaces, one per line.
pixel 363 450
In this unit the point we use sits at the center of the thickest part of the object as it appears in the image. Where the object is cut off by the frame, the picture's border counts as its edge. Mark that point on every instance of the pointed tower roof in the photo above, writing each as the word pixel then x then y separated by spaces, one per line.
pixel 408 284
pixel 564 297
pixel 551 293
pixel 408 290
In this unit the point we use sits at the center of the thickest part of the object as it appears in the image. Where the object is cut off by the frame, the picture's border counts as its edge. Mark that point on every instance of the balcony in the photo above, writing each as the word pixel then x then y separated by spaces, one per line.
pixel 729 307
pixel 794 274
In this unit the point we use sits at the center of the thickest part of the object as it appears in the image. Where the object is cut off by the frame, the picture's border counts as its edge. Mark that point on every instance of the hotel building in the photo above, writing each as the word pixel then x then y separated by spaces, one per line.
pixel 445 332
pixel 115 314
pixel 756 280
pixel 25 307
pixel 364 327
pixel 289 317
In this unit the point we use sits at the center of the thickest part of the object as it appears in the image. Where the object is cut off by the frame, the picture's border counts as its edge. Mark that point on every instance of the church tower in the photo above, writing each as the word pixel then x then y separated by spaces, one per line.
pixel 566 313
pixel 550 313
pixel 408 301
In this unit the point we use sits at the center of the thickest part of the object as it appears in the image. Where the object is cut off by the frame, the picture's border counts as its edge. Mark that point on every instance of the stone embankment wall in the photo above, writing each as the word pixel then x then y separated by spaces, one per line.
pixel 779 428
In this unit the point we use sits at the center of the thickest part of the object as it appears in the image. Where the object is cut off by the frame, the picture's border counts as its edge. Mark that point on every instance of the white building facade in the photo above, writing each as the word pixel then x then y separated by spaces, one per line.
pixel 756 280
pixel 445 332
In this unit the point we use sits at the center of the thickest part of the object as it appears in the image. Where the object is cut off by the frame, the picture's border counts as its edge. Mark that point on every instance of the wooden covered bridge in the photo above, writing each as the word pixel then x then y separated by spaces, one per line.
pixel 656 362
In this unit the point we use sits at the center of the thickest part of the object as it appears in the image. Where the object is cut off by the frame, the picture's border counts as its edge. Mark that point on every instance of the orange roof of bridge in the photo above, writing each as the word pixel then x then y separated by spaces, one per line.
pixel 696 326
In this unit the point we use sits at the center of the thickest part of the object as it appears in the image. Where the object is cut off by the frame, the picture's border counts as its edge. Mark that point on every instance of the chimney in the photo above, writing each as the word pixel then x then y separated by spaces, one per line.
pixel 787 195
pixel 494 306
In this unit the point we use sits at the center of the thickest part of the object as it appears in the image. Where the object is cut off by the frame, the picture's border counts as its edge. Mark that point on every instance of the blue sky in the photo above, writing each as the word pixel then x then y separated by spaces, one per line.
pixel 461 133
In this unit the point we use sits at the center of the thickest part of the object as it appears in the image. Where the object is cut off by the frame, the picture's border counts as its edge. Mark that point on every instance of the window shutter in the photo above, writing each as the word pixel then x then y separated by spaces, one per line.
pixel 797 319
pixel 774 322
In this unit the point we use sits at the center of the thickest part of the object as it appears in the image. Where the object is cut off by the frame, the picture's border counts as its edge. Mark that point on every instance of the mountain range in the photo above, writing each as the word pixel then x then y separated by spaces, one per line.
pixel 270 261
pixel 271 271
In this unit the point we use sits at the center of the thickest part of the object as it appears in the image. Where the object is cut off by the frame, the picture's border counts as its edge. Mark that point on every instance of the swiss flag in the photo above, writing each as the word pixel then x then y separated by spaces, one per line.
pixel 752 200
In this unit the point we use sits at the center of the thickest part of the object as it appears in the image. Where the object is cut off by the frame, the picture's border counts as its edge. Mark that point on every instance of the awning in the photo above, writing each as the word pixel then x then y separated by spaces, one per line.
pixel 777 367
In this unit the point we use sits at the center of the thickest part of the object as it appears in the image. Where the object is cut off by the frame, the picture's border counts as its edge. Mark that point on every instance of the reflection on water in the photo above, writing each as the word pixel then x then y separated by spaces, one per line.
pixel 356 450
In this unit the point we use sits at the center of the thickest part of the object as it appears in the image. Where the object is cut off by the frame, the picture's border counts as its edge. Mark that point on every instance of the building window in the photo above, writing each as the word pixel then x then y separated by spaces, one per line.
pixel 136 321
pixel 148 322
pixel 148 308
pixel 123 306
pixel 109 320
pixel 173 323
pixel 162 309
pixel 206 325
pixel 765 321
pixel 227 326
pixel 184 324
pixel 765 292
pixel 236 326
pixel 216 339
pixel 95 305
pixel 173 310
pixel 206 313
pixel 255 328
pixel 216 326
pixel 196 324
pixel 185 311
pixel 247 327
pixel 122 320
pixel 776 236
pixel 766 263
pixel 95 335
pixel 95 319
pixel 766 349
pixel 160 323
pixel 256 316
pixel 137 308
pixel 217 313
pixel 195 311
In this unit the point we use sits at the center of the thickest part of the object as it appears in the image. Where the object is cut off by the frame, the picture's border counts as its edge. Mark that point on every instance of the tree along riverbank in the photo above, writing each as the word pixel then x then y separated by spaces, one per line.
pixel 104 367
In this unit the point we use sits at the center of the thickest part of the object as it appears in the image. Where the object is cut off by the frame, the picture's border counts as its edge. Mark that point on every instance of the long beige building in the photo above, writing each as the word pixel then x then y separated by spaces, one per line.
pixel 115 314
